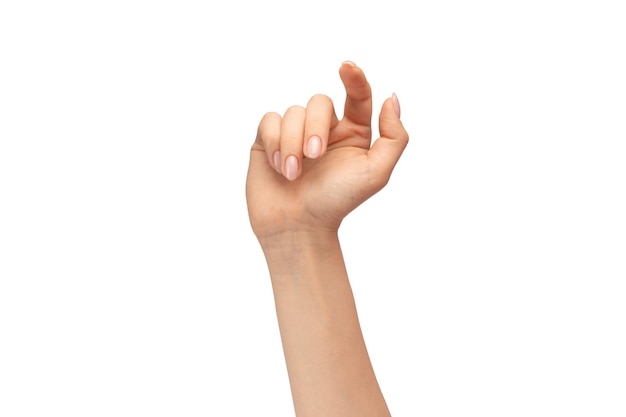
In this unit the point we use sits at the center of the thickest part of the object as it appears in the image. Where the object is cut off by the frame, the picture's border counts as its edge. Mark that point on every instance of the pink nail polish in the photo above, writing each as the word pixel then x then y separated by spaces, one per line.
pixel 277 161
pixel 396 104
pixel 291 167
pixel 314 147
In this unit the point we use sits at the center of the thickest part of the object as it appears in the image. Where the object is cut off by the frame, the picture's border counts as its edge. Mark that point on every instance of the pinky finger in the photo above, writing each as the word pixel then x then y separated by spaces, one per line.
pixel 268 137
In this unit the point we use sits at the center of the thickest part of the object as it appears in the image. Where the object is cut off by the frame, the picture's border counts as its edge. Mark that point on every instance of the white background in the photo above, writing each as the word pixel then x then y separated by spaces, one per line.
pixel 489 274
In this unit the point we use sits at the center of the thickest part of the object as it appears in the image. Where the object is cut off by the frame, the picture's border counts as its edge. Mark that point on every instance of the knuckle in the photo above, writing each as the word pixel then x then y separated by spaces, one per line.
pixel 294 109
pixel 320 98
pixel 269 116
pixel 269 128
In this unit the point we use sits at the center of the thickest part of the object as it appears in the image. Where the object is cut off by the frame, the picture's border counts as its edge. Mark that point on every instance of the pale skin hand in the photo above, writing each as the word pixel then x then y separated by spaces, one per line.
pixel 297 197
pixel 346 172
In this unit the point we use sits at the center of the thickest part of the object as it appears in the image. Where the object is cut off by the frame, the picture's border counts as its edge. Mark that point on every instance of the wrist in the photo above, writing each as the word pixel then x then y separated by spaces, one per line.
pixel 296 240
pixel 290 253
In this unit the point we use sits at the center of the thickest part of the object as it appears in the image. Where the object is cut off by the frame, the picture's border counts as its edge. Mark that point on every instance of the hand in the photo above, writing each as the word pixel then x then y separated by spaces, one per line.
pixel 308 169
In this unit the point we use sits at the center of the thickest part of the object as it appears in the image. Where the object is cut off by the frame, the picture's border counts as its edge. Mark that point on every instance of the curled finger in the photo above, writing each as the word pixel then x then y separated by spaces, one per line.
pixel 291 140
pixel 320 118
pixel 268 138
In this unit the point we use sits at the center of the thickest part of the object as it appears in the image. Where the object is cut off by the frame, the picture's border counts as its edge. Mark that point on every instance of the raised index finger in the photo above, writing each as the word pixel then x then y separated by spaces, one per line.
pixel 358 108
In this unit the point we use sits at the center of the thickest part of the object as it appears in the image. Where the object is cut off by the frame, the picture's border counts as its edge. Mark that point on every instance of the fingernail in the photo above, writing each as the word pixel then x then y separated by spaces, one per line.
pixel 314 147
pixel 352 64
pixel 396 104
pixel 277 161
pixel 291 167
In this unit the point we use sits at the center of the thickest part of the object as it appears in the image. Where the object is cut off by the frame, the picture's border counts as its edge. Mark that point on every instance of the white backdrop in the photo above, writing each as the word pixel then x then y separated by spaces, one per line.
pixel 489 274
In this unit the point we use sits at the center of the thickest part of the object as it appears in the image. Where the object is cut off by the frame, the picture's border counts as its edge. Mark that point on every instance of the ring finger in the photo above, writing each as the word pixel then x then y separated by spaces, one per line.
pixel 291 141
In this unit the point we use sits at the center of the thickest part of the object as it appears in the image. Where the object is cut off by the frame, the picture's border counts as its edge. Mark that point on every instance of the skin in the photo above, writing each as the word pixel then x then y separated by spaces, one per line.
pixel 298 194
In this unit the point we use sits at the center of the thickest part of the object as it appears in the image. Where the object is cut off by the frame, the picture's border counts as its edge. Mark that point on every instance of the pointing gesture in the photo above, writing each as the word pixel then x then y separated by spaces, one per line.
pixel 308 169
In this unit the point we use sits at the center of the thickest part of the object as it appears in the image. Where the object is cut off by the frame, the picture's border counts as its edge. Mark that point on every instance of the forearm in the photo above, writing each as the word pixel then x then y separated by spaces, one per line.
pixel 327 361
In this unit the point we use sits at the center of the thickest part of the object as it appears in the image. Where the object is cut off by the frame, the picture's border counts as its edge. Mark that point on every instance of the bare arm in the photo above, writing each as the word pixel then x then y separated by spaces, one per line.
pixel 328 365
pixel 297 196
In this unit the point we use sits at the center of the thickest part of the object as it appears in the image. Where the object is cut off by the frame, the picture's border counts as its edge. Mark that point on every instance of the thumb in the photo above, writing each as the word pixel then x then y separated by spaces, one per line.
pixel 387 149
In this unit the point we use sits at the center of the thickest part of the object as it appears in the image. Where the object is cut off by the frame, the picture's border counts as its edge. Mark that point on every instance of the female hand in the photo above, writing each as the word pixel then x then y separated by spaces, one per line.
pixel 308 169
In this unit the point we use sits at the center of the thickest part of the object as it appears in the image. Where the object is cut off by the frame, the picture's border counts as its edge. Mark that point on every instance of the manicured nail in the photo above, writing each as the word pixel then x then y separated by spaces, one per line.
pixel 291 167
pixel 352 64
pixel 314 147
pixel 277 161
pixel 396 104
